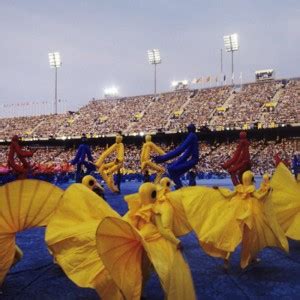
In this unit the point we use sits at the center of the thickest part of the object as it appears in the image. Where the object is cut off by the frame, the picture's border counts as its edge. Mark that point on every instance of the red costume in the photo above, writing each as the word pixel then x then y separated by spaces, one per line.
pixel 15 151
pixel 240 162
pixel 278 159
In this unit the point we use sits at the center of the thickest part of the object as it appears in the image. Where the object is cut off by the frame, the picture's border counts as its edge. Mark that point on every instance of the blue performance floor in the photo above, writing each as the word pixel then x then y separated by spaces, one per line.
pixel 277 275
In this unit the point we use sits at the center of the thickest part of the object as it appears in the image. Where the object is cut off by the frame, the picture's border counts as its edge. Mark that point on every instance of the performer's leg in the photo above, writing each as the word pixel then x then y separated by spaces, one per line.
pixel 159 169
pixel 178 169
pixel 78 173
pixel 110 175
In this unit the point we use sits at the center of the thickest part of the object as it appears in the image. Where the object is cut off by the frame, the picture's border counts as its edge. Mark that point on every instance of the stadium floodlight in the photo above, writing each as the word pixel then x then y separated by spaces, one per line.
pixel 154 59
pixel 111 92
pixel 55 62
pixel 182 84
pixel 231 44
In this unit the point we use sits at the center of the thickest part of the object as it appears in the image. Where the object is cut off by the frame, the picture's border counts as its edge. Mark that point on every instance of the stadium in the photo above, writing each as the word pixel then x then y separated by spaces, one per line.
pixel 75 182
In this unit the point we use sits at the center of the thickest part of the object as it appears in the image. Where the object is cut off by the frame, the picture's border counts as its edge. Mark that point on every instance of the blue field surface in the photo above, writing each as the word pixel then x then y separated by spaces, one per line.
pixel 276 276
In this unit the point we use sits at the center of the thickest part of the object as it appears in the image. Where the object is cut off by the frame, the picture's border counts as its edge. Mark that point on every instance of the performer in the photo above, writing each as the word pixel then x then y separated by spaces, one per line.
pixel 15 151
pixel 107 170
pixel 98 248
pixel 240 161
pixel 83 152
pixel 188 159
pixel 222 219
pixel 146 163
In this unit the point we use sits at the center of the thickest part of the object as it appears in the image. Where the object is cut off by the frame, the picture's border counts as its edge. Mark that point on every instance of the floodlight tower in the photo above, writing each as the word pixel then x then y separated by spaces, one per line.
pixel 154 59
pixel 231 45
pixel 55 62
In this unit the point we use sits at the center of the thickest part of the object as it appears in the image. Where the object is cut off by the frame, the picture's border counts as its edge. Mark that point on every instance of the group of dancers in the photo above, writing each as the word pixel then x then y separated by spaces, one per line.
pixel 98 248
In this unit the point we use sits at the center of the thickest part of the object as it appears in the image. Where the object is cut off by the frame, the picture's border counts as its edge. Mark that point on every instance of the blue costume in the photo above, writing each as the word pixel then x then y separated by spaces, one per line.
pixel 189 158
pixel 296 165
pixel 80 160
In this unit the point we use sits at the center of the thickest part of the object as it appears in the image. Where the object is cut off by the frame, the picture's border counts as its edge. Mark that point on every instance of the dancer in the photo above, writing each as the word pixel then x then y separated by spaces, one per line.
pixel 128 246
pixel 146 163
pixel 15 151
pixel 240 161
pixel 97 248
pixel 189 158
pixel 222 219
pixel 24 204
pixel 83 152
pixel 107 170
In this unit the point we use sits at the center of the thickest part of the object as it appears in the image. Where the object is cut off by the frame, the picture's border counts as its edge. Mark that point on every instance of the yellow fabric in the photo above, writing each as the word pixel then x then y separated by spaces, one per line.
pixel 223 219
pixel 124 245
pixel 286 200
pixel 121 246
pixel 120 249
pixel 24 204
pixel 70 236
pixel 170 216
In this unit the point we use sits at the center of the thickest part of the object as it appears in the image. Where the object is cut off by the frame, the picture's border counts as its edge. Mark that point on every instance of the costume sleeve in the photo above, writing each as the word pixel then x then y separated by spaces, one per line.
pixel 177 151
pixel 21 152
pixel 105 154
pixel 157 149
pixel 234 158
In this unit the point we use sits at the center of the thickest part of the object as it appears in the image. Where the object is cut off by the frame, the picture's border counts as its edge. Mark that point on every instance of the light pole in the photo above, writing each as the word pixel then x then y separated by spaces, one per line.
pixel 231 44
pixel 154 59
pixel 55 62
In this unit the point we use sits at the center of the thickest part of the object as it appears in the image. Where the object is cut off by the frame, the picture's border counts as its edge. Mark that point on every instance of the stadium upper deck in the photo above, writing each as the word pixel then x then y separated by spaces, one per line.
pixel 262 105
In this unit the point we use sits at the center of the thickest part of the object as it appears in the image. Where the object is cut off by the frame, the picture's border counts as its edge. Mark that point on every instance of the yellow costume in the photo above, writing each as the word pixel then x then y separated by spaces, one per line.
pixel 70 236
pixel 146 163
pixel 24 204
pixel 126 247
pixel 222 219
pixel 286 200
pixel 107 170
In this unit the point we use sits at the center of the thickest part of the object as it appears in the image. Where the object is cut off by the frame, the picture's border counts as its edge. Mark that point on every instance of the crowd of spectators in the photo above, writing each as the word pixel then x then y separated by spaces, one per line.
pixel 265 103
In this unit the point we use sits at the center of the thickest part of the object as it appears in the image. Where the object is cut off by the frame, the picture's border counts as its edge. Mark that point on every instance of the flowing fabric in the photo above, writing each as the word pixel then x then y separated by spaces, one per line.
pixel 223 219
pixel 122 247
pixel 71 239
pixel 24 204
pixel 286 200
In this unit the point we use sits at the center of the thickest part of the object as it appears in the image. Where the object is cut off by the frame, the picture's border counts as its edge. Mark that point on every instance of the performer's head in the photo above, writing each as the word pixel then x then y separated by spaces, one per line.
pixel 243 135
pixel 166 183
pixel 91 183
pixel 147 193
pixel 119 139
pixel 15 138
pixel 248 178
pixel 191 128
pixel 148 138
